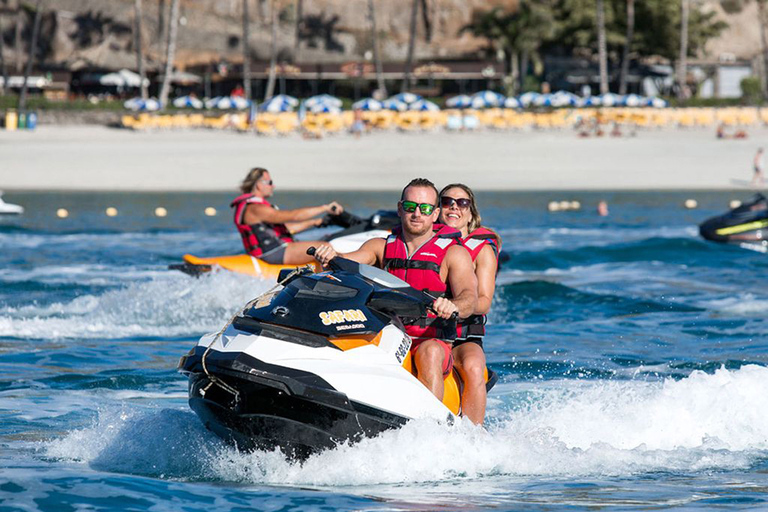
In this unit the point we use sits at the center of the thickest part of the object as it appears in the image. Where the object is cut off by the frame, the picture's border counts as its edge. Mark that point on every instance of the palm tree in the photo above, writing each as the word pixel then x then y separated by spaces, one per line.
pixel 3 67
pixel 299 24
pixel 139 49
pixel 246 52
pixel 627 46
pixel 173 28
pixel 376 54
pixel 411 44
pixel 602 50
pixel 520 32
pixel 682 63
pixel 763 41
pixel 273 53
pixel 32 51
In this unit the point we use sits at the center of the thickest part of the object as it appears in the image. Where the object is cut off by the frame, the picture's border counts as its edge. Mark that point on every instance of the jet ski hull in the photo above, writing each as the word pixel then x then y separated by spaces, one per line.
pixel 270 408
pixel 746 225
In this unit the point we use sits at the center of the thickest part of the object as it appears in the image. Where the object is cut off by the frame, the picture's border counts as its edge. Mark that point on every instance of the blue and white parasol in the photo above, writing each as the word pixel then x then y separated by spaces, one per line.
pixel 137 104
pixel 367 104
pixel 187 102
pixel 395 104
pixel 279 103
pixel 324 108
pixel 526 99
pixel 423 106
pixel 656 103
pixel 487 99
pixel 460 101
pixel 323 99
pixel 406 97
pixel 512 103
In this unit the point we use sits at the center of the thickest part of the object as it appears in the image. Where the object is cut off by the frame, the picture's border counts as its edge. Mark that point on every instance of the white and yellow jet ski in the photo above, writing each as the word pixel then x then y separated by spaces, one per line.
pixel 323 361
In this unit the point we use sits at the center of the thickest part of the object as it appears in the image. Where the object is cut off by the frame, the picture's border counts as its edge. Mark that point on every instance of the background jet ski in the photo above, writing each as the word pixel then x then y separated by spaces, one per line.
pixel 323 361
pixel 354 233
pixel 746 225
pixel 8 208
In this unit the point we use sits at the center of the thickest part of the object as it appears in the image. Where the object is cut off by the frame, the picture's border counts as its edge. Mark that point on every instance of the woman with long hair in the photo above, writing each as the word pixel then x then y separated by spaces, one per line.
pixel 266 230
pixel 458 209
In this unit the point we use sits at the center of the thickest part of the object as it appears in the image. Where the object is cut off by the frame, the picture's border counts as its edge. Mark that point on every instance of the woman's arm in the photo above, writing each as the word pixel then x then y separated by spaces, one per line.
pixel 256 213
pixel 485 270
pixel 298 227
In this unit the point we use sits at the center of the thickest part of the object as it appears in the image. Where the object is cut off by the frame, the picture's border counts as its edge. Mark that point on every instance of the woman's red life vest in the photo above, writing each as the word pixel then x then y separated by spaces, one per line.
pixel 474 325
pixel 262 237
pixel 421 270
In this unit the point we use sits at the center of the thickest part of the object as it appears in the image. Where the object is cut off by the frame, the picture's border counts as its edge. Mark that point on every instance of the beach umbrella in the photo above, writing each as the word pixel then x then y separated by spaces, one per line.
pixel 187 102
pixel 511 103
pixel 656 103
pixel 394 104
pixel 460 101
pixel 489 98
pixel 610 100
pixel 527 98
pixel 543 100
pixel 406 97
pixel 632 100
pixel 239 102
pixel 324 108
pixel 137 104
pixel 564 99
pixel 590 101
pixel 326 99
pixel 423 106
pixel 367 104
pixel 279 103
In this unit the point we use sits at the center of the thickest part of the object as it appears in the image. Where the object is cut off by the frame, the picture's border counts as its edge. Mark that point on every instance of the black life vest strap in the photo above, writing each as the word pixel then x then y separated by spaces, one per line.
pixel 400 263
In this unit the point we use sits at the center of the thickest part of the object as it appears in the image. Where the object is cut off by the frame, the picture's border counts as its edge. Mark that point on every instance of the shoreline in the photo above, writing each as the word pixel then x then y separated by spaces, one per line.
pixel 95 158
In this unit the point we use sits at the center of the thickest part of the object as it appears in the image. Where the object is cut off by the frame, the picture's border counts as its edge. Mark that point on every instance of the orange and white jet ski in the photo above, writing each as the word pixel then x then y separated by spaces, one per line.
pixel 355 233
pixel 323 361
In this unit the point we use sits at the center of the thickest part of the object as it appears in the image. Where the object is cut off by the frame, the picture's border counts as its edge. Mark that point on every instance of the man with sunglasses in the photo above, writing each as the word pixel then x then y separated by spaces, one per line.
pixel 267 231
pixel 429 257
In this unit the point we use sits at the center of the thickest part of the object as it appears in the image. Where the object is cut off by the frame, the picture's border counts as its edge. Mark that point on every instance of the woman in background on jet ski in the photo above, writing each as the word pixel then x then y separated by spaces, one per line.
pixel 267 231
pixel 458 209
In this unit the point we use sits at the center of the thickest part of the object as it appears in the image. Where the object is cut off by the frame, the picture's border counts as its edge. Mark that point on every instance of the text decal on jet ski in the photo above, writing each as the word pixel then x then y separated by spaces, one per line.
pixel 340 316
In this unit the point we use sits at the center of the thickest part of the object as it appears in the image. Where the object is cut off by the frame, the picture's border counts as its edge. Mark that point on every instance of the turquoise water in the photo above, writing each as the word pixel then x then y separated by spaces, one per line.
pixel 632 354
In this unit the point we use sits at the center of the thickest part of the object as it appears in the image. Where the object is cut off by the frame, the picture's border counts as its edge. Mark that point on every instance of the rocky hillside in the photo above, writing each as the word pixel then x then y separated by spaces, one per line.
pixel 80 33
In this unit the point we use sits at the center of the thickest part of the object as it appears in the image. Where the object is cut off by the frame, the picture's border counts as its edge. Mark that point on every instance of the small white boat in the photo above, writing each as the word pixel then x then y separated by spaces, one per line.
pixel 9 209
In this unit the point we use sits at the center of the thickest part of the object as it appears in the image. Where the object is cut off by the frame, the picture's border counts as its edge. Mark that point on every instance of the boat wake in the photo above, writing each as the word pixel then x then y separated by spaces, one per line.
pixel 171 305
pixel 553 429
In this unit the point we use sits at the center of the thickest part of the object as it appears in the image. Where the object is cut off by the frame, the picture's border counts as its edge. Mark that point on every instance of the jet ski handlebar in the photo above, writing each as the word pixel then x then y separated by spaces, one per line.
pixel 428 298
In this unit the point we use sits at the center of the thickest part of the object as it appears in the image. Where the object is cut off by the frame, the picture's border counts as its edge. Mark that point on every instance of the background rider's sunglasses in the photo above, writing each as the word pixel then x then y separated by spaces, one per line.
pixel 424 208
pixel 462 203
pixel 266 182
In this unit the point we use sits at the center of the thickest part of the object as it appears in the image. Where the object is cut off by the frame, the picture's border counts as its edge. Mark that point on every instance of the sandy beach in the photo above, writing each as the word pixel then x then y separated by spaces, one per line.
pixel 100 158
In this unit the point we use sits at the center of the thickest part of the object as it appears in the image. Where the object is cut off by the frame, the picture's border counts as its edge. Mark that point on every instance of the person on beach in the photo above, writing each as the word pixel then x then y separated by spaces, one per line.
pixel 267 231
pixel 602 209
pixel 458 209
pixel 429 257
pixel 757 164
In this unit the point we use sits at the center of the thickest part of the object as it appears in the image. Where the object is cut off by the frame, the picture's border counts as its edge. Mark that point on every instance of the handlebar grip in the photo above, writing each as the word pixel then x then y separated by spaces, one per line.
pixel 311 251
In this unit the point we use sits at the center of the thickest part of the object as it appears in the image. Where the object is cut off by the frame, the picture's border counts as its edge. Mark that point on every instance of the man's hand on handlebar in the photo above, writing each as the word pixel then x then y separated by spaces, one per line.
pixel 445 308
pixel 324 254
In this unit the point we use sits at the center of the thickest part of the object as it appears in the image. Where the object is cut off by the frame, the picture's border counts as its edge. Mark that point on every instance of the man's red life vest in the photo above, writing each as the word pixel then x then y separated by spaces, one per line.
pixel 262 237
pixel 421 270
pixel 474 325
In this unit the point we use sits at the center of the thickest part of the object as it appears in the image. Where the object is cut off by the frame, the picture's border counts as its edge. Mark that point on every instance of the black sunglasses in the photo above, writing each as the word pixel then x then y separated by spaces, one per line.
pixel 463 203
pixel 266 182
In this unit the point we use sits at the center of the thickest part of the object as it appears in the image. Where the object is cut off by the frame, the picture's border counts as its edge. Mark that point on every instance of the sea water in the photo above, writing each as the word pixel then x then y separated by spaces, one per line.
pixel 632 358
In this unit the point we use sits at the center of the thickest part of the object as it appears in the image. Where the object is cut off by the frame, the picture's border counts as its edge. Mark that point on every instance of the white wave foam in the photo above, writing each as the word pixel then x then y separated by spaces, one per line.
pixel 559 429
pixel 744 305
pixel 168 306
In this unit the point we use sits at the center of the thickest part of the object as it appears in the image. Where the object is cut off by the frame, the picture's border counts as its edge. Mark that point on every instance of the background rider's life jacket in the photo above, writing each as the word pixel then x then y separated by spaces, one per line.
pixel 474 325
pixel 421 270
pixel 262 237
